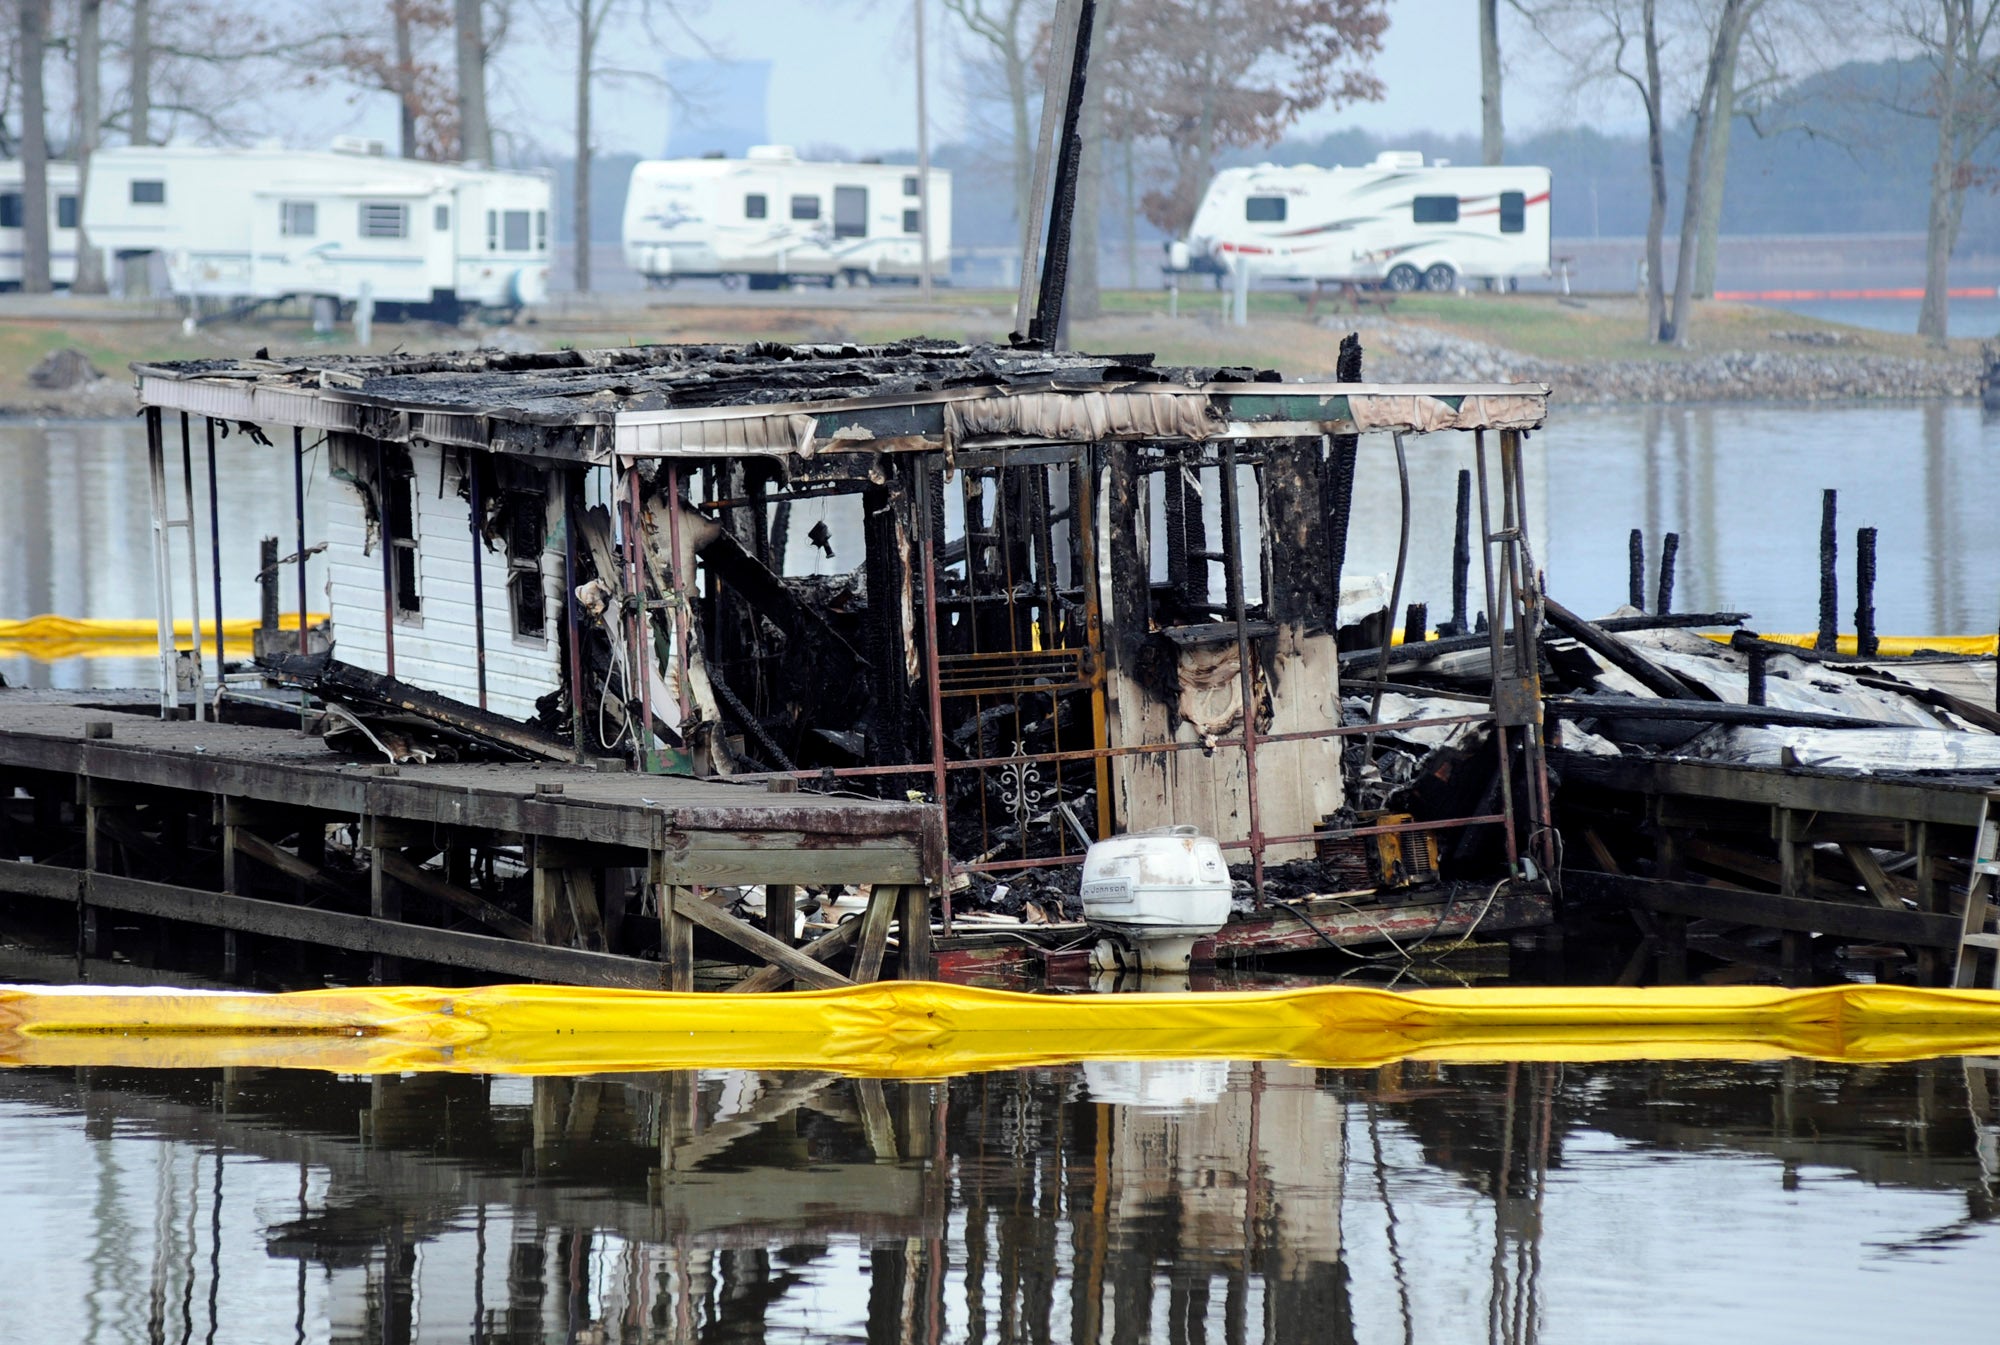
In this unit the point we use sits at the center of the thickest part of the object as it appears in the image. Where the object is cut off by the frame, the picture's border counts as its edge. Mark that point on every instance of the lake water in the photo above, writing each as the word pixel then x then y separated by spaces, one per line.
pixel 1169 1201
pixel 1740 483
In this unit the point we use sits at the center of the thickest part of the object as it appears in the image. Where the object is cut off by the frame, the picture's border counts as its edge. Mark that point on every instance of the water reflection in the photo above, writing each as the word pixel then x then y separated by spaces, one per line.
pixel 1165 1201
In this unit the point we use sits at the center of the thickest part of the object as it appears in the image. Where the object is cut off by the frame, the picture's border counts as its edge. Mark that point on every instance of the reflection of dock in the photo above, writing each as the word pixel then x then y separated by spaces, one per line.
pixel 553 873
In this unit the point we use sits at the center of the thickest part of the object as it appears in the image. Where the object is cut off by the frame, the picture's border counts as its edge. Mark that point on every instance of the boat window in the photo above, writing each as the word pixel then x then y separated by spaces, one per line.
pixel 910 185
pixel 1513 212
pixel 755 206
pixel 10 210
pixel 298 219
pixel 385 219
pixel 66 212
pixel 441 218
pixel 850 212
pixel 805 207
pixel 400 496
pixel 913 221
pixel 1264 209
pixel 1434 210
pixel 148 192
pixel 516 229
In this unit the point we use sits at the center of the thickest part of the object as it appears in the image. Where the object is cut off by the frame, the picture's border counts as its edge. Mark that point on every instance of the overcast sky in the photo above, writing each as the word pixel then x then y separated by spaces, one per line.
pixel 841 75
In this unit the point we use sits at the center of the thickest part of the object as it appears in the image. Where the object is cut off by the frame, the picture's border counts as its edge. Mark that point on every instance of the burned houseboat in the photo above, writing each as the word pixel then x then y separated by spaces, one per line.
pixel 950 612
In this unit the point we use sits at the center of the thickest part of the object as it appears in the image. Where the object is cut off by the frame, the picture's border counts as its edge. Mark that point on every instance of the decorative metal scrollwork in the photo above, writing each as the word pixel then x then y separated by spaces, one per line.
pixel 1021 788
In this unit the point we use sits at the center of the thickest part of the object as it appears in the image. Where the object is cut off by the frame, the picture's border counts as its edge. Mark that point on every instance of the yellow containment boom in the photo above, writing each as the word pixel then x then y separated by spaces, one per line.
pixel 50 638
pixel 925 1029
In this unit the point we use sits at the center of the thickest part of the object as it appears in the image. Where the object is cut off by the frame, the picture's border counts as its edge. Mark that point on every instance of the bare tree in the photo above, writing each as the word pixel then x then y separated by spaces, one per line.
pixel 34 19
pixel 1958 44
pixel 1492 145
pixel 1007 29
pixel 89 125
pixel 1721 66
pixel 588 16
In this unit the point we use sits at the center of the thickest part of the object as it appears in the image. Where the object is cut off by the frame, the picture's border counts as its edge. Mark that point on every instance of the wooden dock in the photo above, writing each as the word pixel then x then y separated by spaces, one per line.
pixel 544 872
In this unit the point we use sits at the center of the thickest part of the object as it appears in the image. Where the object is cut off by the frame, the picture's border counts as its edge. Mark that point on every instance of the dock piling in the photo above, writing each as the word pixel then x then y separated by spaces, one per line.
pixel 1865 643
pixel 1669 551
pixel 1635 583
pixel 1829 582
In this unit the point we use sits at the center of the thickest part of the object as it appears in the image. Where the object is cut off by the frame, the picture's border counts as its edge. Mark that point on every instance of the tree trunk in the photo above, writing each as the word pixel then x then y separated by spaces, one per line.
pixel 1024 149
pixel 1491 136
pixel 1715 173
pixel 1695 197
pixel 585 42
pixel 89 113
pixel 140 86
pixel 475 137
pixel 34 149
pixel 1082 300
pixel 1656 162
pixel 1933 319
pixel 1131 220
pixel 404 78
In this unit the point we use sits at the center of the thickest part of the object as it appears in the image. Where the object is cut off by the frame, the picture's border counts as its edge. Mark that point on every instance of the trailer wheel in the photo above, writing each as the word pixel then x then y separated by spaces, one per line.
pixel 730 280
pixel 1440 278
pixel 1403 278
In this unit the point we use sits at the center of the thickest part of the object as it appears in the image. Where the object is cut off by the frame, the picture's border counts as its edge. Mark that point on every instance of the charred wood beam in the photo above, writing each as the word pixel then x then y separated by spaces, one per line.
pixel 1703 712
pixel 1617 653
pixel 1042 328
pixel 1407 655
pixel 335 680
pixel 1840 920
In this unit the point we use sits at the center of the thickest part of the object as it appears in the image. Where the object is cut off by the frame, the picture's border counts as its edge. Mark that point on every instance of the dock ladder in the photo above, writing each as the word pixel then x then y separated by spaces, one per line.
pixel 1981 931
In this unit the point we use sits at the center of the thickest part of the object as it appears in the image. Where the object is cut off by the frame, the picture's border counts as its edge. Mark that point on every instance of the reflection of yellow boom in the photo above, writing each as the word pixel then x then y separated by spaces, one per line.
pixel 927 1029
pixel 51 638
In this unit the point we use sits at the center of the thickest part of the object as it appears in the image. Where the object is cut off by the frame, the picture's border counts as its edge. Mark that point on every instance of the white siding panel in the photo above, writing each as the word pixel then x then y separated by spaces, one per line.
pixel 439 652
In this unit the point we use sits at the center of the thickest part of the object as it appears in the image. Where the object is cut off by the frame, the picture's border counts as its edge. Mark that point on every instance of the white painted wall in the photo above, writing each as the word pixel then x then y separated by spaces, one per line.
pixel 438 651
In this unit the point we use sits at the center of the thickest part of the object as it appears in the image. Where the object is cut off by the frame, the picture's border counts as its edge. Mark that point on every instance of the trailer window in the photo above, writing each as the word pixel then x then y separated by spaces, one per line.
pixel 541 231
pixel 910 185
pixel 913 221
pixel 516 230
pixel 65 212
pixel 1513 212
pixel 492 231
pixel 298 219
pixel 1434 210
pixel 441 218
pixel 755 206
pixel 10 210
pixel 1264 209
pixel 805 207
pixel 385 219
pixel 850 212
pixel 146 192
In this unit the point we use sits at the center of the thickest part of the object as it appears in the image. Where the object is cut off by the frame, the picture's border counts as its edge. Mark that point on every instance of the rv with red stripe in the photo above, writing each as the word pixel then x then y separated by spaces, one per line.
pixel 1397 223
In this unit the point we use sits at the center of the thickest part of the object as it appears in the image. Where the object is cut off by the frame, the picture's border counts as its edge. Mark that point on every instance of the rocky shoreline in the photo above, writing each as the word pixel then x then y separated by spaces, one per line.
pixel 1821 370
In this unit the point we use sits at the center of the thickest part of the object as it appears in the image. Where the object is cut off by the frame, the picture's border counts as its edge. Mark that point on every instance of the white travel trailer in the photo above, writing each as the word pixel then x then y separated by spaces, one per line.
pixel 1395 223
pixel 772 217
pixel 251 226
pixel 62 223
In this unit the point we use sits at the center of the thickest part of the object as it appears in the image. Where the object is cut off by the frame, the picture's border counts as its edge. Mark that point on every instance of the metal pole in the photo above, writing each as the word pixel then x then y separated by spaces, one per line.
pixel 1493 635
pixel 388 541
pixel 194 568
pixel 642 667
pixel 215 547
pixel 681 581
pixel 163 598
pixel 299 520
pixel 476 517
pixel 931 662
pixel 1528 646
pixel 923 161
pixel 1232 579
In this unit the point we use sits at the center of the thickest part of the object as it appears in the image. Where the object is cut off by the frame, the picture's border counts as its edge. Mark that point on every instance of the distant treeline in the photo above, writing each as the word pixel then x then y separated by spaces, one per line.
pixel 1841 177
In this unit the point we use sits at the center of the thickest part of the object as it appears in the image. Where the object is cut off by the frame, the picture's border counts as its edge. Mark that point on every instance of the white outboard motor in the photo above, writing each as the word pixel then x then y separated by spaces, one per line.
pixel 1155 892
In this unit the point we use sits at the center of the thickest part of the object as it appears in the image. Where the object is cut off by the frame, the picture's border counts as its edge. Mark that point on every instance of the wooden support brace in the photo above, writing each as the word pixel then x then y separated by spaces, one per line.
pixel 406 872
pixel 752 940
pixel 253 846
pixel 916 962
pixel 823 949
pixel 874 932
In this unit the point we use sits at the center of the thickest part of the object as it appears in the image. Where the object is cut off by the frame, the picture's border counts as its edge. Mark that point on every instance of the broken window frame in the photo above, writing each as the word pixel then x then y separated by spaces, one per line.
pixel 398 518
pixel 525 513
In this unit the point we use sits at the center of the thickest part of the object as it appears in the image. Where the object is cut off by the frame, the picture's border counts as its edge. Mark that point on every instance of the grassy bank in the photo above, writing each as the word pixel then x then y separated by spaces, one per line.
pixel 1535 328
